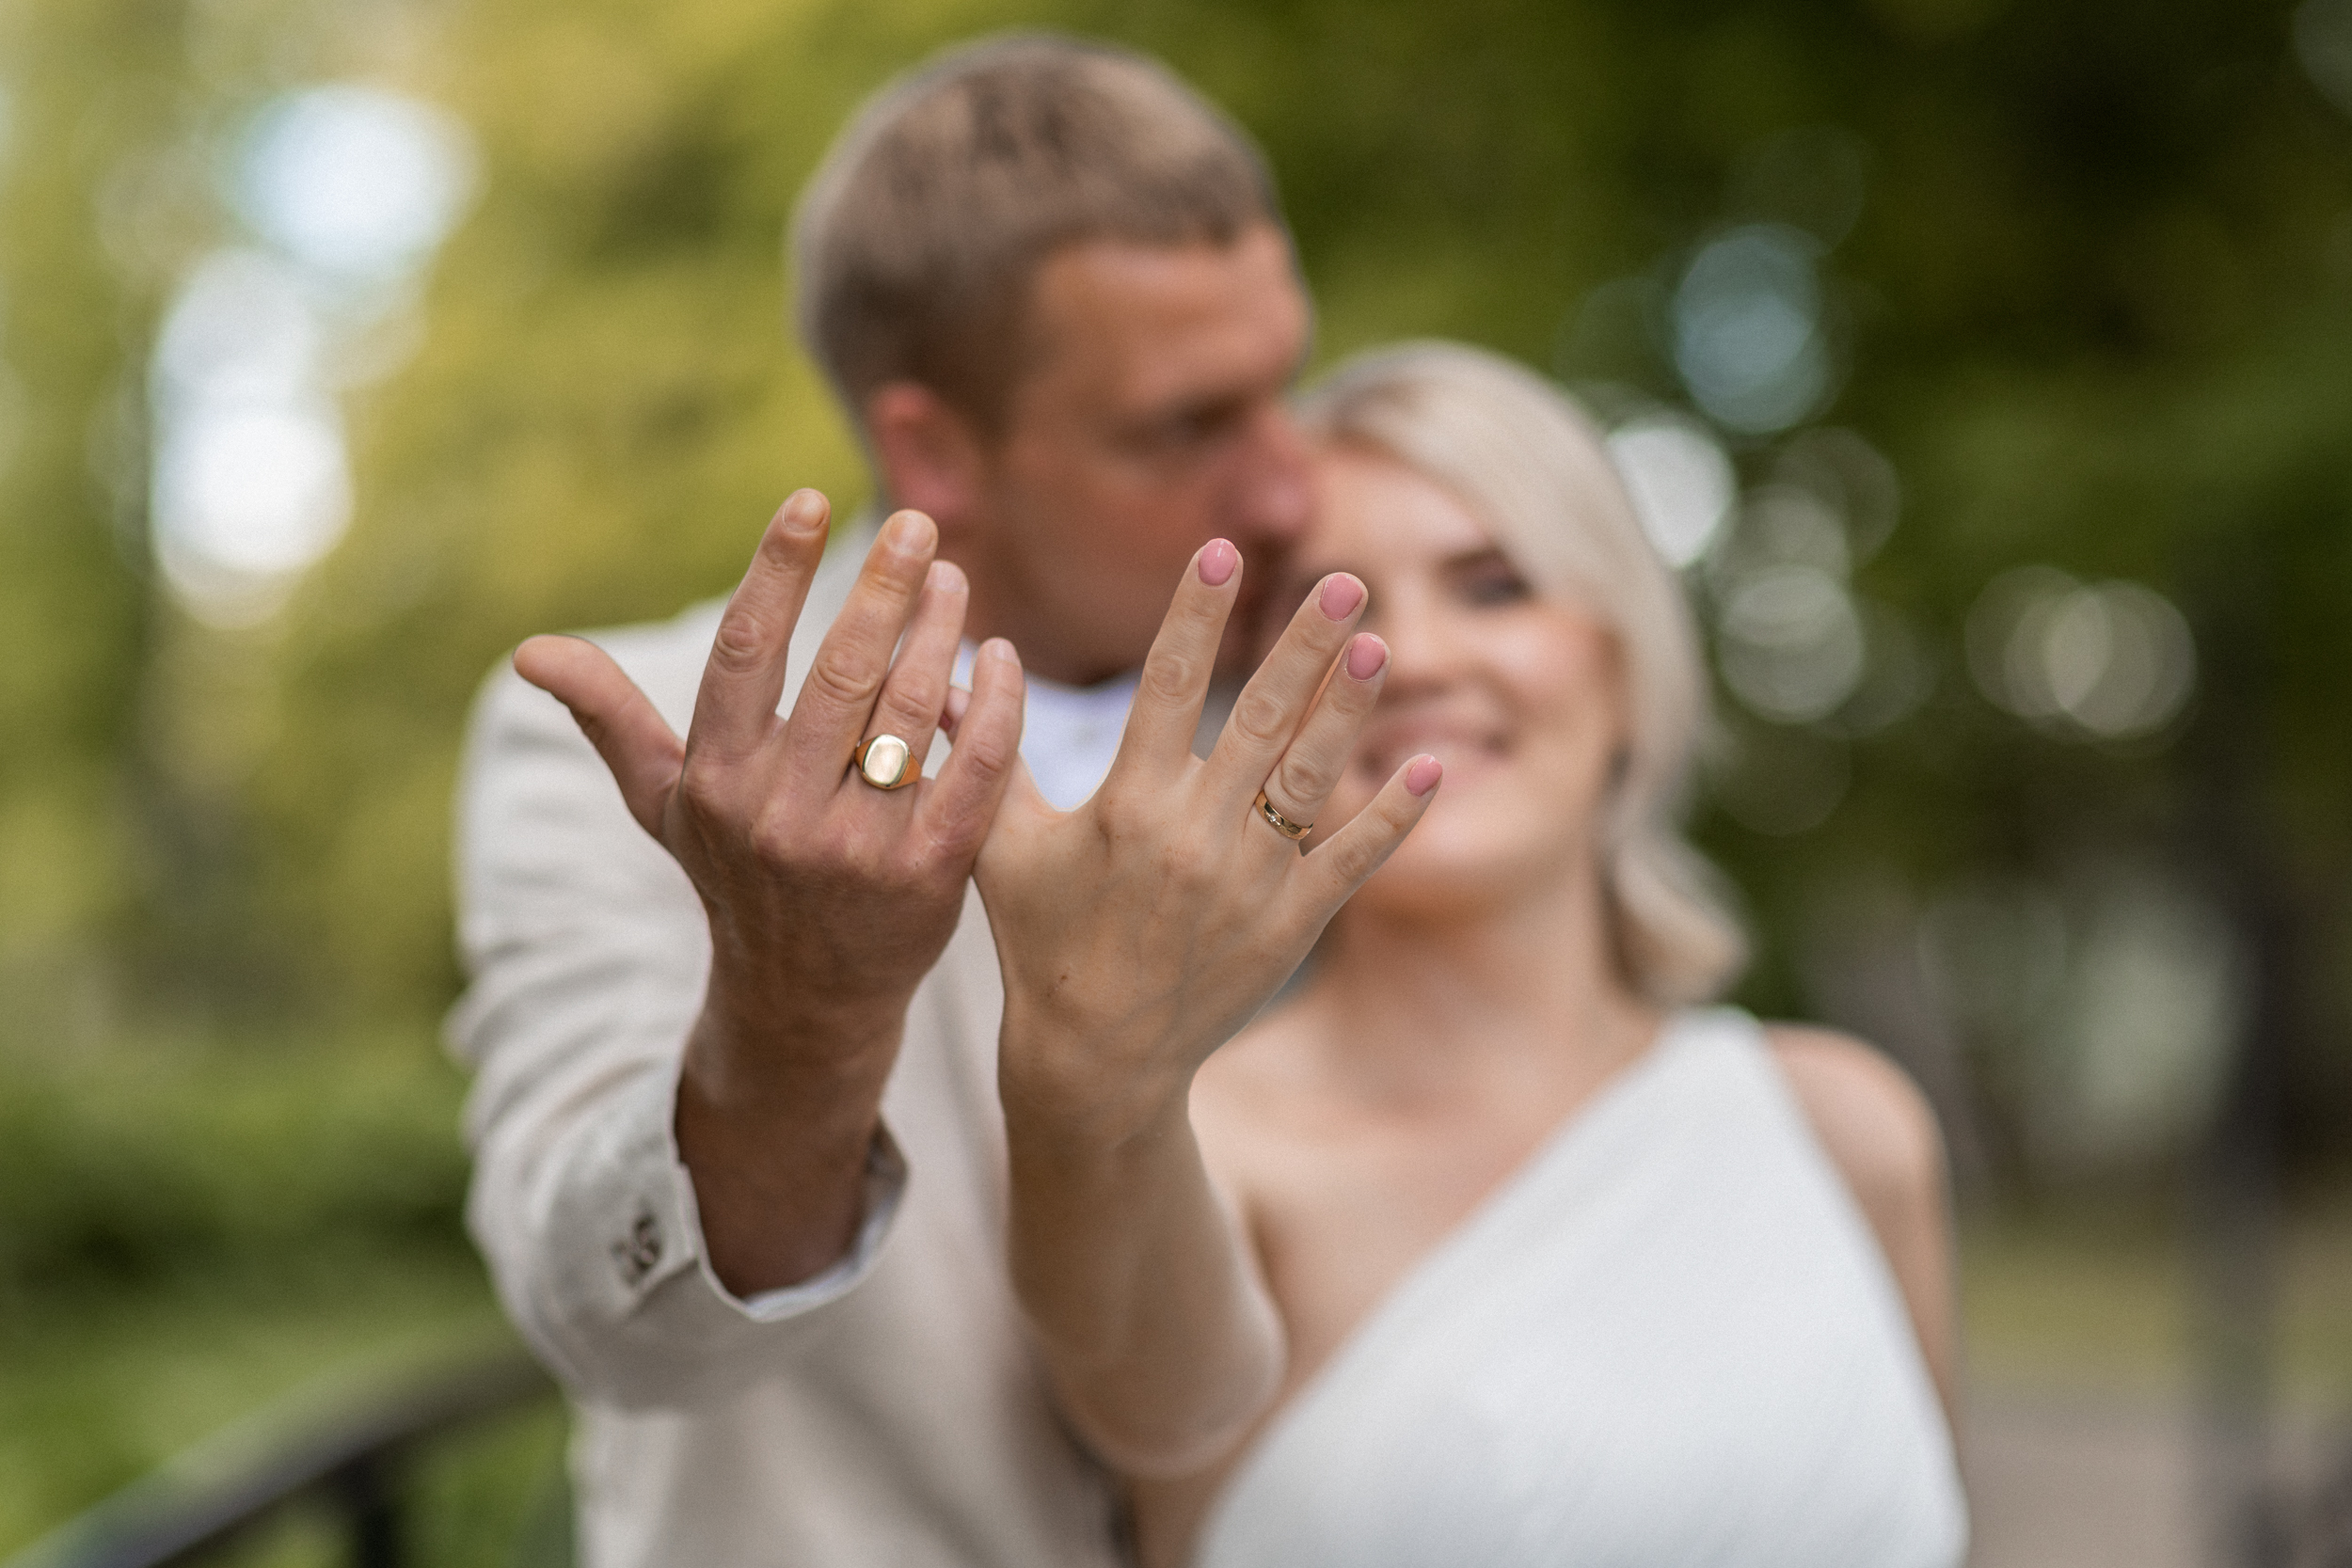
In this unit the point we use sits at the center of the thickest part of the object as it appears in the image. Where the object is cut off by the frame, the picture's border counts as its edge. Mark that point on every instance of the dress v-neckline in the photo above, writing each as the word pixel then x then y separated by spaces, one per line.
pixel 1621 1087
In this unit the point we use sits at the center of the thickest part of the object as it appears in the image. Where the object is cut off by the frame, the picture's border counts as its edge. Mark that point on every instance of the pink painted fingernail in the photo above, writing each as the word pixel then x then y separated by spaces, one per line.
pixel 1422 775
pixel 1217 560
pixel 1366 654
pixel 1341 594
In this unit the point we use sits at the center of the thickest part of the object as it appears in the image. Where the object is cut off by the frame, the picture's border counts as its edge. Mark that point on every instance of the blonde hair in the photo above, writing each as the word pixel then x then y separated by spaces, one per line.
pixel 916 243
pixel 1534 468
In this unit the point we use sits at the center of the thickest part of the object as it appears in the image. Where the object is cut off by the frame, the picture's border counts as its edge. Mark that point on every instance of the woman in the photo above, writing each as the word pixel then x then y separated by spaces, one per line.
pixel 1489 1246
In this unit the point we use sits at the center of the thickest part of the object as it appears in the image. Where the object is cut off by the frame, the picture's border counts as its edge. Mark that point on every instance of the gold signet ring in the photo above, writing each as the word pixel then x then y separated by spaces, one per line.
pixel 1280 824
pixel 885 762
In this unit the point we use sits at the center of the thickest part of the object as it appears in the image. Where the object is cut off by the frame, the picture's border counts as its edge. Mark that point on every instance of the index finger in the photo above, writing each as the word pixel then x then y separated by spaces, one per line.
pixel 743 680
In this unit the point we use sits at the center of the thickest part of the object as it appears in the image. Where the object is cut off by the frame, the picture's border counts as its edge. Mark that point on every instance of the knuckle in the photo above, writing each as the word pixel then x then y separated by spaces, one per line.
pixel 1352 699
pixel 852 862
pixel 1168 677
pixel 1351 862
pixel 773 841
pixel 700 784
pixel 1206 611
pixel 892 581
pixel 835 677
pixel 909 703
pixel 1300 779
pixel 1259 716
pixel 739 647
pixel 991 754
pixel 778 548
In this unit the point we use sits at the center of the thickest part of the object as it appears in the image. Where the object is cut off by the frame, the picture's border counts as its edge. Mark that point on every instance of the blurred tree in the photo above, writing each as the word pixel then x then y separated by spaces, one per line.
pixel 89 94
pixel 2088 284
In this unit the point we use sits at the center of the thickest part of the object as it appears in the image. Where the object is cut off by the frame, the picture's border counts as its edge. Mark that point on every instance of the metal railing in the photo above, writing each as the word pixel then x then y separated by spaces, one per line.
pixel 343 1445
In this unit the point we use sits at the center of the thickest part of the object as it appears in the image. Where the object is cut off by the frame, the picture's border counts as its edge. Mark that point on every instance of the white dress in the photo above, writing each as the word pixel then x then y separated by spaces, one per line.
pixel 1670 1339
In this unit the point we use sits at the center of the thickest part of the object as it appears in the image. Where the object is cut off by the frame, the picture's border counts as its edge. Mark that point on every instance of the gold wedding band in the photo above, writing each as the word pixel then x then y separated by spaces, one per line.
pixel 1280 824
pixel 885 762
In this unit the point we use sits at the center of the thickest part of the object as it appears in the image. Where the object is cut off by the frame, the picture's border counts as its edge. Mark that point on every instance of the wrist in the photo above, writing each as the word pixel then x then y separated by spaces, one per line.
pixel 1072 1098
pixel 818 1059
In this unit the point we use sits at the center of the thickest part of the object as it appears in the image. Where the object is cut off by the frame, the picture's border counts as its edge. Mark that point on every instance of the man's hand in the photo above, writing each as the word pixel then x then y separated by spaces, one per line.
pixel 1136 935
pixel 829 899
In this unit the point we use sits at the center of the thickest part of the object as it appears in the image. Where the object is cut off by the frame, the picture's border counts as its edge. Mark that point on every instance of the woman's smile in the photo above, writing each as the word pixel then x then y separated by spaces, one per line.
pixel 1518 693
pixel 1468 746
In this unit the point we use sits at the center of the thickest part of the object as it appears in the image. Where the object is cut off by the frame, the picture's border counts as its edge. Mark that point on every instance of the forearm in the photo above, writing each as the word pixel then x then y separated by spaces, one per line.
pixel 777 1109
pixel 1136 935
pixel 1138 1281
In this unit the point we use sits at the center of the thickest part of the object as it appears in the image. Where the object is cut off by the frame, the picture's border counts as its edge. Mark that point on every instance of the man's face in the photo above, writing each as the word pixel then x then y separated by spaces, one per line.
pixel 1152 422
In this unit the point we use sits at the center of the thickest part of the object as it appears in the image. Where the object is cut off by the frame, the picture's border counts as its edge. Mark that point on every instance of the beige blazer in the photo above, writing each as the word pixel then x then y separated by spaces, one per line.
pixel 887 1415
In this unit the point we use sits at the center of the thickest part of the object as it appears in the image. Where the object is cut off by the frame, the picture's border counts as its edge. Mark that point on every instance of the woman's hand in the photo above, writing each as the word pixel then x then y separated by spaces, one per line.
pixel 1137 934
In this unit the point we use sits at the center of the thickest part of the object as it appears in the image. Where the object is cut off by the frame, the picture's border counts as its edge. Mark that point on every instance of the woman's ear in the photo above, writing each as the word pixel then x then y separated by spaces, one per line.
pixel 929 456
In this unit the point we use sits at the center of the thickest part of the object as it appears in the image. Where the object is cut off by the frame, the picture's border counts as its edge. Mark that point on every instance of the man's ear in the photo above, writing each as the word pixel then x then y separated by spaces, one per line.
pixel 930 456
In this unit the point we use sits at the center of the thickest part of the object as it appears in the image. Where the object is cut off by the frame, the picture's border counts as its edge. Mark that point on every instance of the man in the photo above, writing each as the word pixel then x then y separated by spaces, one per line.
pixel 734 1022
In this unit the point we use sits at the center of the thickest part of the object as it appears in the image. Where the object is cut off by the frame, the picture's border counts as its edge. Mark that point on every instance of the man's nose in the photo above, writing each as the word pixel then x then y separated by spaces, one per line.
pixel 1424 646
pixel 1273 493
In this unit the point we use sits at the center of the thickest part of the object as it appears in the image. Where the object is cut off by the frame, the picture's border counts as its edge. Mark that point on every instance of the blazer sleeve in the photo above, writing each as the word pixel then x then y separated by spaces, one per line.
pixel 587 951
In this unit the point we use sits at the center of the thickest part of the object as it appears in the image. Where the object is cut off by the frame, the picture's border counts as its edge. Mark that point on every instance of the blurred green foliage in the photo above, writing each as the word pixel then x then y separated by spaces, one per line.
pixel 88 88
pixel 2095 301
pixel 140 1167
pixel 191 1228
pixel 2096 304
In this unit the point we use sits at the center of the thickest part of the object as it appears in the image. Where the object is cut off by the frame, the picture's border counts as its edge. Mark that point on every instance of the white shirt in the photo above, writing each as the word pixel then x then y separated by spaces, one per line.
pixel 1069 734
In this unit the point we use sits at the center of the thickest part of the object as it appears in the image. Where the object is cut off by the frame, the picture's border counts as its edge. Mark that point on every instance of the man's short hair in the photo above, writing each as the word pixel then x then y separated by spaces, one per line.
pixel 915 244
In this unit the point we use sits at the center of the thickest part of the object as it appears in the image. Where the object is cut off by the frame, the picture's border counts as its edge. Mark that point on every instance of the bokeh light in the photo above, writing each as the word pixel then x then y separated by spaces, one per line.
pixel 1848 476
pixel 2109 999
pixel 1748 329
pixel 1791 643
pixel 2323 41
pixel 250 481
pixel 1779 781
pixel 1682 483
pixel 354 183
pixel 2109 660
pixel 351 189
pixel 2142 1031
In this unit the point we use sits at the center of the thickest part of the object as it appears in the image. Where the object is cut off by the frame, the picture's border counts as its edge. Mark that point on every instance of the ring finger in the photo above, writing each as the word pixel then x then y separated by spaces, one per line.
pixel 914 692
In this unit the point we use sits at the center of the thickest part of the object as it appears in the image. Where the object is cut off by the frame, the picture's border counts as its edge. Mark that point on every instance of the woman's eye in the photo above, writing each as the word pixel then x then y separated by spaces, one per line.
pixel 1496 586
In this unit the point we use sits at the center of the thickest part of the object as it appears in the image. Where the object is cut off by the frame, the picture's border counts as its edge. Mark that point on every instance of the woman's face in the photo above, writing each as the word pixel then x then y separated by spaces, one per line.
pixel 1520 696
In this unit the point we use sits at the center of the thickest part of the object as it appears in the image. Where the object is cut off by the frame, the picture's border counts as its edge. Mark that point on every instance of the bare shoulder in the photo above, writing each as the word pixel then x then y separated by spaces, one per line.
pixel 1249 1097
pixel 1871 1119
